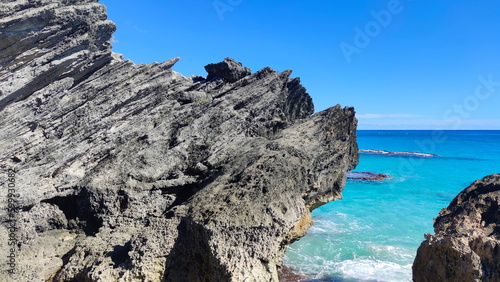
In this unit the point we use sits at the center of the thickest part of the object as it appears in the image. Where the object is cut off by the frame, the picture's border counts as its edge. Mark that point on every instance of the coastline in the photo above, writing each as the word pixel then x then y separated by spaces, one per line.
pixel 375 230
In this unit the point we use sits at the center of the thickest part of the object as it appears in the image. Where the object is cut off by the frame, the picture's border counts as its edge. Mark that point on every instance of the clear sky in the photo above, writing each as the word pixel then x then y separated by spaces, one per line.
pixel 407 64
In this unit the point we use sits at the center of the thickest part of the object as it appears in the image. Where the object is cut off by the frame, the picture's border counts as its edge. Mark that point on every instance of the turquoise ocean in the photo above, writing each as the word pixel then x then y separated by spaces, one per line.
pixel 373 233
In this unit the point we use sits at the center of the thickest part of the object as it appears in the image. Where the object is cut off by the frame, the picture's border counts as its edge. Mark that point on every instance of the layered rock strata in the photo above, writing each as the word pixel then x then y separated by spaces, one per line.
pixel 466 246
pixel 134 172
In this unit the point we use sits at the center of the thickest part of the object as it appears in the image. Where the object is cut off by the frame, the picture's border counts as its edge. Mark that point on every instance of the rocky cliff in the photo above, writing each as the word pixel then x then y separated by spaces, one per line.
pixel 130 172
pixel 466 246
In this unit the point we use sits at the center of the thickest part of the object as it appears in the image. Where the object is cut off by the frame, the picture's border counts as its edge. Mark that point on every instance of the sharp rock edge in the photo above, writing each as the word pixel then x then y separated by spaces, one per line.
pixel 133 172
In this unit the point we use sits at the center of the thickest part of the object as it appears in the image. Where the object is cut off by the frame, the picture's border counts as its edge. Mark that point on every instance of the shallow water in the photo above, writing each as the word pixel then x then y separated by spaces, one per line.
pixel 372 234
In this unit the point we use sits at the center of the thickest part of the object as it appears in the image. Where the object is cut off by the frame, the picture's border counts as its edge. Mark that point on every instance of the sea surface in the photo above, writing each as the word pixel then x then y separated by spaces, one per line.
pixel 373 233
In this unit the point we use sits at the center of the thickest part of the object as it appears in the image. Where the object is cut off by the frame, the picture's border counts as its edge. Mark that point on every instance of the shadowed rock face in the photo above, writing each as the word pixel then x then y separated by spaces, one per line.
pixel 136 173
pixel 466 245
pixel 229 70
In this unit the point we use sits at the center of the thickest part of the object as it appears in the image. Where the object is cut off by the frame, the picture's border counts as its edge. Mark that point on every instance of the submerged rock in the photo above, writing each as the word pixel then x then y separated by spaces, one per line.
pixel 466 246
pixel 127 172
pixel 371 176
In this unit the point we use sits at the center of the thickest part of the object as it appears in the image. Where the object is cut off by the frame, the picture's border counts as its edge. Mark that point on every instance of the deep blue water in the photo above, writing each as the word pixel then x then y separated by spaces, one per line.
pixel 372 234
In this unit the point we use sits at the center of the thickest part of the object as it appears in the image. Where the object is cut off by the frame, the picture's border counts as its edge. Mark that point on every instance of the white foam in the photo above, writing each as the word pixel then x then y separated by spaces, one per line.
pixel 335 224
pixel 396 253
pixel 330 251
pixel 360 269
pixel 366 269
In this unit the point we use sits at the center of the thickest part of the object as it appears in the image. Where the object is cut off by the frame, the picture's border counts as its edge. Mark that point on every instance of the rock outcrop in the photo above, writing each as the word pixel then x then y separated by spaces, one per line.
pixel 229 70
pixel 466 246
pixel 126 172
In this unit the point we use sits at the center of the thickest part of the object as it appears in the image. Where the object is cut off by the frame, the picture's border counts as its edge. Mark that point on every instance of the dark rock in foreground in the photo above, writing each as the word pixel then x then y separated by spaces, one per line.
pixel 287 274
pixel 400 154
pixel 130 172
pixel 466 246
pixel 370 176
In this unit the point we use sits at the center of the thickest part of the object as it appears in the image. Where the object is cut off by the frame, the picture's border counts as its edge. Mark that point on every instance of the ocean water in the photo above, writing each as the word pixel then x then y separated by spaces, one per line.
pixel 373 233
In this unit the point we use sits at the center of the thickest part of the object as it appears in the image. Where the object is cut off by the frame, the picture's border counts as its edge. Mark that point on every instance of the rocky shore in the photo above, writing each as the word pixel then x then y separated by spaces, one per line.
pixel 134 172
pixel 286 274
pixel 466 243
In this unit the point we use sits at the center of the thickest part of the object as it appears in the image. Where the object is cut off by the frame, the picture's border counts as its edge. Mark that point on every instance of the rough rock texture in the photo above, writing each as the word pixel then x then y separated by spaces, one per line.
pixel 287 274
pixel 466 246
pixel 136 173
pixel 229 70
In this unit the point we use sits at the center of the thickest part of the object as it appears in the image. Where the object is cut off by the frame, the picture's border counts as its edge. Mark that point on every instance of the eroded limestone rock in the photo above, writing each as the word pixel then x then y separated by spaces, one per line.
pixel 131 172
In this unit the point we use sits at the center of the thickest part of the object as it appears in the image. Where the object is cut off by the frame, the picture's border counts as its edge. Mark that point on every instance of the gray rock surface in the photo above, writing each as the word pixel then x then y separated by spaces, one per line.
pixel 229 70
pixel 129 172
pixel 466 246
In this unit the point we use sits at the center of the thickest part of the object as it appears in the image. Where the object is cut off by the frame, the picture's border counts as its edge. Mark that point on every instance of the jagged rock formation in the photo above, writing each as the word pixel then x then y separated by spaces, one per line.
pixel 229 70
pixel 466 246
pixel 136 173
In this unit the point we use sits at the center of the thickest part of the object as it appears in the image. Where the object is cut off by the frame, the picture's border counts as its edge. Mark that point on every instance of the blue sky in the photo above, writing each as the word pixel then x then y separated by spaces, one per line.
pixel 407 64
